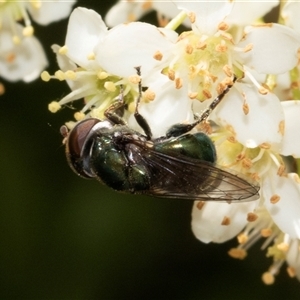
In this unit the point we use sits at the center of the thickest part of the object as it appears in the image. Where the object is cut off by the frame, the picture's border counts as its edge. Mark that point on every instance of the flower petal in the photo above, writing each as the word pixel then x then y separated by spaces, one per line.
pixel 51 11
pixel 24 61
pixel 286 212
pixel 260 125
pixel 85 29
pixel 293 257
pixel 209 14
pixel 272 43
pixel 246 12
pixel 290 14
pixel 128 46
pixel 125 11
pixel 291 141
pixel 207 222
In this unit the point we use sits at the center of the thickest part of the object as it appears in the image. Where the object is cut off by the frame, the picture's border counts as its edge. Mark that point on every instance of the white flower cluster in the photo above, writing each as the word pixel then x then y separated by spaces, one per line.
pixel 256 124
pixel 21 54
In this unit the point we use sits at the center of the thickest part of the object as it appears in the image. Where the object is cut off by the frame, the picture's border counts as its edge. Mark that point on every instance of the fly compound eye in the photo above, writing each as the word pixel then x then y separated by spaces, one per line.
pixel 77 141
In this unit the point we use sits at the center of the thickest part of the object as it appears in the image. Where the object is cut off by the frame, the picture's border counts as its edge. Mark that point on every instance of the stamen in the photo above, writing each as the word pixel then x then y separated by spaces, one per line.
pixel 63 50
pixel 54 106
pixel 225 221
pixel 274 199
pixel 60 75
pixel 110 86
pixel 200 204
pixel 158 55
pixel 79 116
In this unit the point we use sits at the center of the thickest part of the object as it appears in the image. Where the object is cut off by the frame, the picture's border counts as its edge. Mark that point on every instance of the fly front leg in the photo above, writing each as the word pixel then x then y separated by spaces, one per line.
pixel 114 112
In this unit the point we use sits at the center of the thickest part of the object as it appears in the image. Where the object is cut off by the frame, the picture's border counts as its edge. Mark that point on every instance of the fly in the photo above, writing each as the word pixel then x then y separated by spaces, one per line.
pixel 178 165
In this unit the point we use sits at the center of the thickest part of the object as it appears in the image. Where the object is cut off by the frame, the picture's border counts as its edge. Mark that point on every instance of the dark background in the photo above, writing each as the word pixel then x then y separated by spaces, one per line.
pixel 62 237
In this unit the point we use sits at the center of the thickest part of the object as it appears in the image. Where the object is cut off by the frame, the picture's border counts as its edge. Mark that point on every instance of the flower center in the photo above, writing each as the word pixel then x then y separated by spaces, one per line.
pixel 203 62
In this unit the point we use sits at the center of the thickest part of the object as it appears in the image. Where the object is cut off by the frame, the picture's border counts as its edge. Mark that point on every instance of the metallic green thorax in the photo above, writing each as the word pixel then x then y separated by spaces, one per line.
pixel 116 162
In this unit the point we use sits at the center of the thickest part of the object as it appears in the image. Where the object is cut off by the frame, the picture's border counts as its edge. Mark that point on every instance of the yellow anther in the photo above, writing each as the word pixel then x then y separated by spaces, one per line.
pixel 60 75
pixel 63 50
pixel 110 86
pixel 268 278
pixel 79 116
pixel 251 217
pixel 200 204
pixel 274 199
pixel 242 238
pixel 102 75
pixel 28 31
pixel 237 253
pixel 45 76
pixel 70 75
pixel 54 106
pixel 158 55
pixel 225 221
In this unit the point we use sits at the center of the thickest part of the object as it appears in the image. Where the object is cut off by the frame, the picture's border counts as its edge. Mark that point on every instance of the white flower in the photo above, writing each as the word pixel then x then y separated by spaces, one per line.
pixel 21 55
pixel 96 61
pixel 132 10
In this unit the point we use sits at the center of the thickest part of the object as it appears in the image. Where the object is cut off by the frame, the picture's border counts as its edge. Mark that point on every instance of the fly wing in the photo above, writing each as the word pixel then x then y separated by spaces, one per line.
pixel 187 178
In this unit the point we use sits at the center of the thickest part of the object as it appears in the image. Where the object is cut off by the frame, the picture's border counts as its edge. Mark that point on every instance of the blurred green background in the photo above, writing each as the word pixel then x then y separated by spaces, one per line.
pixel 62 237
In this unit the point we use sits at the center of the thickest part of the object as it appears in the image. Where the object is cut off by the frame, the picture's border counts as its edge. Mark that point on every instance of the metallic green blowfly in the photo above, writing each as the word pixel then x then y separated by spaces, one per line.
pixel 178 165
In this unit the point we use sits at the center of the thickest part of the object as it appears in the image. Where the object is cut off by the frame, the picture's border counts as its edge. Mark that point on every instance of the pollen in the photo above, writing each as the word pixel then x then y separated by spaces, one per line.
pixel 193 95
pixel 192 17
pixel 222 47
pixel 79 116
pixel 28 31
pixel 262 90
pixel 158 55
pixel 284 247
pixel 251 217
pixel 223 26
pixel 247 163
pixel 178 83
pixel 149 95
pixel 266 232
pixel 110 86
pixel 291 271
pixel 10 58
pixel 60 75
pixel 63 50
pixel 237 253
pixel 242 238
pixel 281 127
pixel 245 108
pixel 268 278
pixel 248 48
pixel 227 70
pixel 274 199
pixel 281 170
pixel 16 40
pixel 200 204
pixel 189 49
pixel 45 76
pixel 102 75
pixel 135 79
pixel 206 93
pixel 91 56
pixel 225 221
pixel 201 45
pixel 71 75
pixel 171 74
pixel 54 106
pixel 2 89
pixel 265 146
